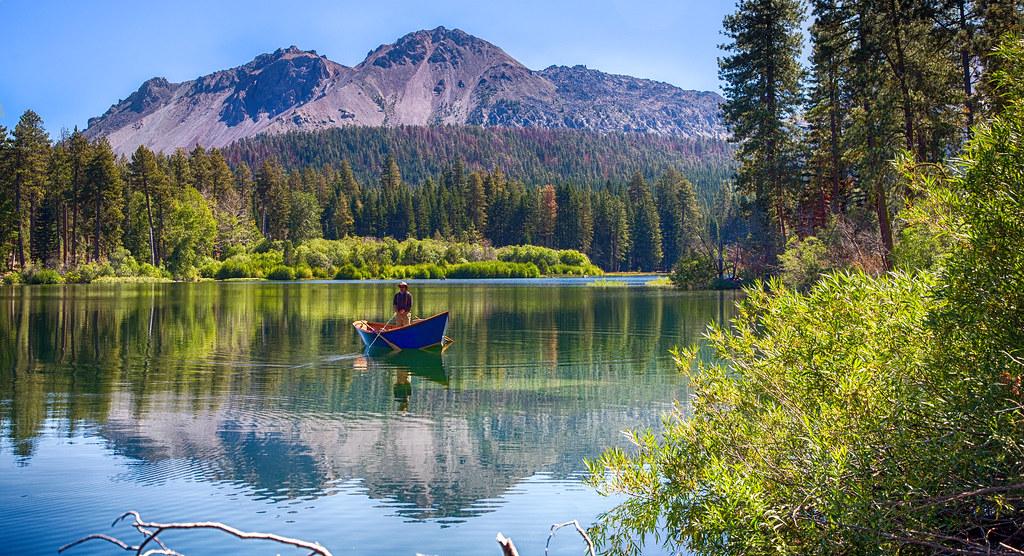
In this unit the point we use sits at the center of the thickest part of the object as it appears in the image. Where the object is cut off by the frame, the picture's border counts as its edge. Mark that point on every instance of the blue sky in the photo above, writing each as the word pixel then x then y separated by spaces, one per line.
pixel 71 60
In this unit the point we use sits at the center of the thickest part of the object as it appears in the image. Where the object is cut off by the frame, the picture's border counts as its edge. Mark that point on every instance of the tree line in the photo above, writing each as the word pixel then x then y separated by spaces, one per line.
pixel 72 201
pixel 886 79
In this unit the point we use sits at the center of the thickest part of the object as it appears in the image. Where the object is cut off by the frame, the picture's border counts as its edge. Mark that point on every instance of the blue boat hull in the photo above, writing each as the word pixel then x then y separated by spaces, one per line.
pixel 422 334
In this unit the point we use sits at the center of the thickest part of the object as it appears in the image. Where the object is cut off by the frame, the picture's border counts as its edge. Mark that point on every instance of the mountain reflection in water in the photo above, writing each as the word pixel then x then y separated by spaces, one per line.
pixel 262 387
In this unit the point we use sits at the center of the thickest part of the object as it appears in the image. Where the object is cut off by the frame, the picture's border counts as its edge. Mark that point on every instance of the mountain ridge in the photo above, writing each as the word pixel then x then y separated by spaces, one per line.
pixel 428 77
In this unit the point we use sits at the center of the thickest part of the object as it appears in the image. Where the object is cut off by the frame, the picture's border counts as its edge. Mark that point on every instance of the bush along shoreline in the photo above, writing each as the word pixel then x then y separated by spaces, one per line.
pixel 351 258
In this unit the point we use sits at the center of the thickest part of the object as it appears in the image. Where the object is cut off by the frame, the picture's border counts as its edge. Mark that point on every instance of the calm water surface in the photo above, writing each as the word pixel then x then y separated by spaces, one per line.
pixel 250 403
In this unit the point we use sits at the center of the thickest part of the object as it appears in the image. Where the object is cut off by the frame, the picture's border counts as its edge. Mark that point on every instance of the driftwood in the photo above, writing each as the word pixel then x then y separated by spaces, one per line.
pixel 508 548
pixel 150 531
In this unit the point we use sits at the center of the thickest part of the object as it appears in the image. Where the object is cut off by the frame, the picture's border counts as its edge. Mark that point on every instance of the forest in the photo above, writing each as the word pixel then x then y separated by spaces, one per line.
pixel 869 399
pixel 72 202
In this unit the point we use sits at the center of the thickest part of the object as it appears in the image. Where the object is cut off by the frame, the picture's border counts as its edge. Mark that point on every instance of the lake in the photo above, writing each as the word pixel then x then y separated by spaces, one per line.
pixel 251 404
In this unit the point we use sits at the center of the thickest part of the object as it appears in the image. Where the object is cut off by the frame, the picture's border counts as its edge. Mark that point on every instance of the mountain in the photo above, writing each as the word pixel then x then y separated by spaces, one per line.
pixel 426 78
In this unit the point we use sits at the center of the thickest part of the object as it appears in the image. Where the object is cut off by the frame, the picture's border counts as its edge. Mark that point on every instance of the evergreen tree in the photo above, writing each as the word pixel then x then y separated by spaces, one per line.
pixel 79 154
pixel 103 184
pixel 646 227
pixel 31 156
pixel 147 178
pixel 304 217
pixel 9 216
pixel 477 202
pixel 545 216
pixel 272 200
pixel 762 74
pixel 829 105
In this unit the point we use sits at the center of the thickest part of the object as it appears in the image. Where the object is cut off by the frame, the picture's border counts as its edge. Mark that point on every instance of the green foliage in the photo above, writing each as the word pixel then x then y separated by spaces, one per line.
pixel 867 415
pixel 88 272
pixel 33 275
pixel 803 262
pixel 549 261
pixel 788 429
pixel 208 267
pixel 250 265
pixel 693 273
pixel 191 233
pixel 583 157
pixel 10 278
pixel 281 272
pixel 494 269
pixel 350 272
pixel 762 73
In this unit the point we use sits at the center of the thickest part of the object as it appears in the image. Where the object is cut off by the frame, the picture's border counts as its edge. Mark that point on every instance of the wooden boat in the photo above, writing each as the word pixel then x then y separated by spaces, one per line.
pixel 419 334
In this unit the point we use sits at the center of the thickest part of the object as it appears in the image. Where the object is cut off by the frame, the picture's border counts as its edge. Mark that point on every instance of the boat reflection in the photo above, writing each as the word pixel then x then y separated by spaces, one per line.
pixel 406 365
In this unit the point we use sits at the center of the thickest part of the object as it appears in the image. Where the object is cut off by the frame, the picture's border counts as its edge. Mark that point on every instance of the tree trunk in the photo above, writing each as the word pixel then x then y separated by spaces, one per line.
pixel 965 64
pixel 96 238
pixel 149 219
pixel 20 248
pixel 881 207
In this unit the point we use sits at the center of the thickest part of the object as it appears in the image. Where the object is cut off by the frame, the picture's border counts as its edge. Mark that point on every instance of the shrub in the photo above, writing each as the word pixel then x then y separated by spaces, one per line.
pixel 303 272
pixel 349 272
pixel 541 257
pixel 693 273
pixel 803 262
pixel 41 276
pixel 209 267
pixel 11 278
pixel 250 265
pixel 794 416
pixel 88 272
pixel 571 257
pixel 494 269
pixel 281 273
pixel 234 267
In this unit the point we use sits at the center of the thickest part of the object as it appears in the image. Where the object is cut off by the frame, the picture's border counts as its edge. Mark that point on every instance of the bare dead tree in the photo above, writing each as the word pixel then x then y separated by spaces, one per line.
pixel 150 531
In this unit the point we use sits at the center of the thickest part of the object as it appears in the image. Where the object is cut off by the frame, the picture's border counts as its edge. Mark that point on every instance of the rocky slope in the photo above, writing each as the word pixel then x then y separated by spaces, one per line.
pixel 436 77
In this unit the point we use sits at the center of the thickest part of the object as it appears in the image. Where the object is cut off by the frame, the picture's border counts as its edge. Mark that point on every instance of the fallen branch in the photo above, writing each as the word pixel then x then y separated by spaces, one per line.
pixel 150 530
pixel 509 549
pixel 579 529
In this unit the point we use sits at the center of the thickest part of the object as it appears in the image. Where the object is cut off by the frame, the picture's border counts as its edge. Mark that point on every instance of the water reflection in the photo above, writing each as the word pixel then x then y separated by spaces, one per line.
pixel 264 386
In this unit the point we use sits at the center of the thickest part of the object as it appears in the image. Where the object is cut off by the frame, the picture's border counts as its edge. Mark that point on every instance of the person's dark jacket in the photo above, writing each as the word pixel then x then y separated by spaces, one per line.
pixel 403 301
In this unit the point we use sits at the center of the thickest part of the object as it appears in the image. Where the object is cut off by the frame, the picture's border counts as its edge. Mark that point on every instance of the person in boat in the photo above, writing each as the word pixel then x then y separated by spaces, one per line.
pixel 403 304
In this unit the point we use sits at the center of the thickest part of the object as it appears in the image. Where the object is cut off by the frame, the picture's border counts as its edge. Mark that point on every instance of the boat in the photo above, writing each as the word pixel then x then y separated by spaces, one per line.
pixel 419 334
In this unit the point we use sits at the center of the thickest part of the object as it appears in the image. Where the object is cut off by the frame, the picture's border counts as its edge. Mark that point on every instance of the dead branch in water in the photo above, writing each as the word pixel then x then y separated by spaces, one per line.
pixel 509 549
pixel 150 530
pixel 579 529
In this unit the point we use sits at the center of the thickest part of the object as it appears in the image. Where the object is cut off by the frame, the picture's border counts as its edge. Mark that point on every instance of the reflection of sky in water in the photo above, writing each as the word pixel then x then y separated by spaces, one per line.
pixel 250 404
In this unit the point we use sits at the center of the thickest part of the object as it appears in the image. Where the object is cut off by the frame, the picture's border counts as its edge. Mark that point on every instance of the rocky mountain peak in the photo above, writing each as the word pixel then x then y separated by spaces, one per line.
pixel 435 76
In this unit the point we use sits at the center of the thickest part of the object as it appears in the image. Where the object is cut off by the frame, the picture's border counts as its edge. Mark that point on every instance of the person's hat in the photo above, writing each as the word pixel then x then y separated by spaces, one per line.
pixel 400 284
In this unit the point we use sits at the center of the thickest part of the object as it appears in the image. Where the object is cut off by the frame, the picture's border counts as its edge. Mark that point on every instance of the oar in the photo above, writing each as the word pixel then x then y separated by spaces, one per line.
pixel 381 331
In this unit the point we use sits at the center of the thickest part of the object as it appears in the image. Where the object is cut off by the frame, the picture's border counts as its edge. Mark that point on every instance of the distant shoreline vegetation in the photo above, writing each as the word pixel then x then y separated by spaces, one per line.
pixel 351 258
pixel 74 210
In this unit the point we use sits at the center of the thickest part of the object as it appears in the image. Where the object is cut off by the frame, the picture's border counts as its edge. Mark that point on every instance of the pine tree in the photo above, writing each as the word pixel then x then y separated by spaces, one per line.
pixel 275 200
pixel 546 215
pixel 304 216
pixel 762 77
pixel 477 202
pixel 147 178
pixel 8 215
pixel 103 183
pixel 829 106
pixel 31 154
pixel 646 226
